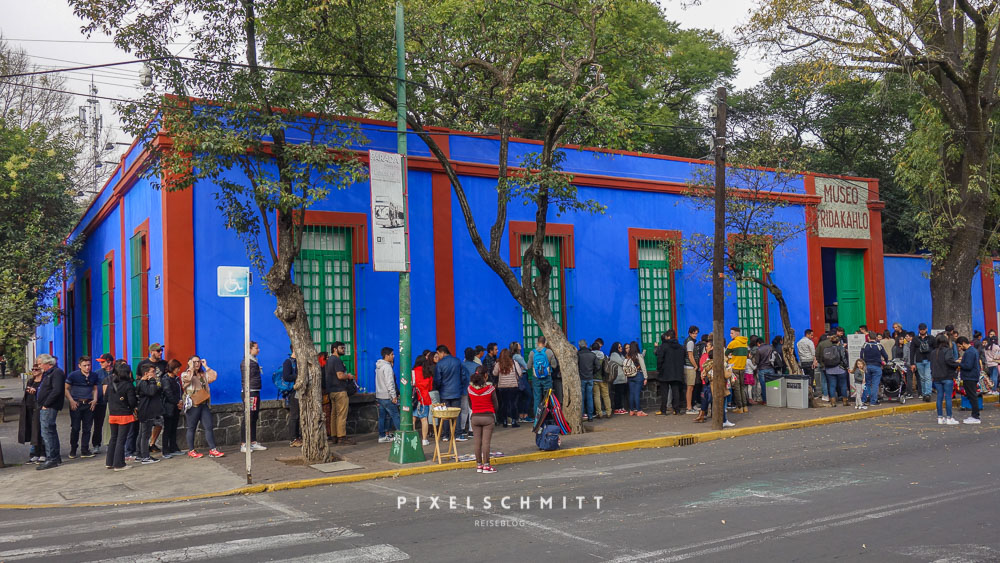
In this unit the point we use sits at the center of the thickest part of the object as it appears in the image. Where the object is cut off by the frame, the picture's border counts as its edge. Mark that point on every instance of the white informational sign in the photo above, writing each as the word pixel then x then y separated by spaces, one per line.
pixel 854 344
pixel 843 211
pixel 390 245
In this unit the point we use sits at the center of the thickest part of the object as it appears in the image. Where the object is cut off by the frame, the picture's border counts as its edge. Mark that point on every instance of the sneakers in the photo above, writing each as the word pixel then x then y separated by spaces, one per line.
pixel 425 442
pixel 149 461
pixel 864 406
pixel 195 454
pixel 728 424
pixel 479 468
pixel 243 448
pixel 167 455
pixel 461 438
pixel 384 440
pixel 129 458
pixel 941 420
pixel 971 420
pixel 215 453
pixel 691 411
pixel 87 453
pixel 296 443
pixel 640 413
pixel 72 454
pixel 488 469
pixel 950 421
pixel 257 447
pixel 122 468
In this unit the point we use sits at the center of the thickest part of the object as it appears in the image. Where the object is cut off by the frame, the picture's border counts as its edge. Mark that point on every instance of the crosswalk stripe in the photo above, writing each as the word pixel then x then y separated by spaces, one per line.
pixel 97 513
pixel 87 525
pixel 371 554
pixel 240 547
pixel 141 538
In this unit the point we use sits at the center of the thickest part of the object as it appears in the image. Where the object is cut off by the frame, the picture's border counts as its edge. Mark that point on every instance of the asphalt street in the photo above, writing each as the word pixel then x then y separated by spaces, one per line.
pixel 889 489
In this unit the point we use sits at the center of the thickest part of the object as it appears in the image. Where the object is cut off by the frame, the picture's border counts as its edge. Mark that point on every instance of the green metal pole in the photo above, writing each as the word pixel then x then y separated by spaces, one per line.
pixel 406 448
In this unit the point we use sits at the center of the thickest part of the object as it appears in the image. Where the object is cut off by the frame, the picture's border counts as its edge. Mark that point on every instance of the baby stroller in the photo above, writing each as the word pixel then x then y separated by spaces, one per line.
pixel 893 386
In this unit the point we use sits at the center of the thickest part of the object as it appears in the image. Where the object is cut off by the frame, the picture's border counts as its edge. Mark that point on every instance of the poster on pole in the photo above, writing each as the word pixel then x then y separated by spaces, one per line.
pixel 390 224
pixel 854 344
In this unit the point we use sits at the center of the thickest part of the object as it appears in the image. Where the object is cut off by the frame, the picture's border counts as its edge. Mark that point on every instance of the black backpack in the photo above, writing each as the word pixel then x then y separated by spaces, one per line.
pixel 831 356
pixel 925 346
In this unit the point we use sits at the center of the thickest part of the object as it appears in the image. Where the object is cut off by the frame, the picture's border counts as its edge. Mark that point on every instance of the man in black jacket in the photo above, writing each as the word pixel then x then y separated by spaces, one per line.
pixel 156 360
pixel 290 373
pixel 170 389
pixel 588 365
pixel 49 398
pixel 670 371
pixel 150 410
pixel 255 384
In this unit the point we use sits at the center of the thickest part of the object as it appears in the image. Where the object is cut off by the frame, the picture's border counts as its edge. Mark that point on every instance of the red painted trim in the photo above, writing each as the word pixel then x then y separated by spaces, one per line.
pixel 636 234
pixel 564 231
pixel 444 260
pixel 143 231
pixel 876 263
pixel 989 296
pixel 110 257
pixel 814 259
pixel 358 222
pixel 68 329
pixel 124 270
pixel 179 328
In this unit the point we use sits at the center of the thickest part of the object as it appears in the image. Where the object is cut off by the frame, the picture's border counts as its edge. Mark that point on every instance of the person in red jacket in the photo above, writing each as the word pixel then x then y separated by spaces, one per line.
pixel 423 382
pixel 483 402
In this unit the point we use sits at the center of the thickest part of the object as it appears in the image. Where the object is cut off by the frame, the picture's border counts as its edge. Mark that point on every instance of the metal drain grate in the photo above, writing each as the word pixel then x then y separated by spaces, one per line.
pixel 686 441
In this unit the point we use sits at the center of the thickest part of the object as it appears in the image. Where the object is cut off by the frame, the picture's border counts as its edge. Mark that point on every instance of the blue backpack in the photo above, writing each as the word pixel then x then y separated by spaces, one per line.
pixel 284 387
pixel 540 363
pixel 547 438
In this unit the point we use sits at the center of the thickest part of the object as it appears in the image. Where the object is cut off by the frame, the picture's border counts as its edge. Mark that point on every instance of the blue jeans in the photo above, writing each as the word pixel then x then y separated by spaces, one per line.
pixel 993 372
pixel 824 385
pixel 924 371
pixel 201 413
pixel 635 392
pixel 837 382
pixel 540 388
pixel 387 412
pixel 587 388
pixel 944 389
pixel 873 375
pixel 50 436
pixel 706 400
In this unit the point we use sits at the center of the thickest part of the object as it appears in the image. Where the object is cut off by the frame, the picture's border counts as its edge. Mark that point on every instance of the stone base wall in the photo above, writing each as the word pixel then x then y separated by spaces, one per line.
pixel 272 425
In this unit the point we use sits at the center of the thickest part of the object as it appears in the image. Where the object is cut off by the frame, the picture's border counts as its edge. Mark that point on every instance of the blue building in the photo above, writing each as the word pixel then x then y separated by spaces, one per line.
pixel 147 271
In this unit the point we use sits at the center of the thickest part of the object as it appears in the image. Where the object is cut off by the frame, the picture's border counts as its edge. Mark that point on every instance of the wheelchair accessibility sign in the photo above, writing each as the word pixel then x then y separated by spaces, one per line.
pixel 234 281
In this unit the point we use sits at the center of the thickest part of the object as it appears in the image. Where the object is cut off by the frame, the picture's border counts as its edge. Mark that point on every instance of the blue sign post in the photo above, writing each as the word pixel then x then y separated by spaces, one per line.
pixel 234 281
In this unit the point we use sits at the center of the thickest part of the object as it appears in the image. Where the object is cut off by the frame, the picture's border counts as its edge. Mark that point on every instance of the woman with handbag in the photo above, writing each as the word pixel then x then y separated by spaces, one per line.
pixel 635 371
pixel 197 403
pixel 28 425
pixel 509 376
pixel 619 384
pixel 122 405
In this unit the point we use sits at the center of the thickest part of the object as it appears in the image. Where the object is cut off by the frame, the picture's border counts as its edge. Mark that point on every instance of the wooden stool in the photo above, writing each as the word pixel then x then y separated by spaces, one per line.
pixel 440 416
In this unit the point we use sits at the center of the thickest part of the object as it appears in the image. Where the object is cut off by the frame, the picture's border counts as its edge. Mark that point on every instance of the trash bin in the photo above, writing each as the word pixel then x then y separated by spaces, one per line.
pixel 797 391
pixel 774 390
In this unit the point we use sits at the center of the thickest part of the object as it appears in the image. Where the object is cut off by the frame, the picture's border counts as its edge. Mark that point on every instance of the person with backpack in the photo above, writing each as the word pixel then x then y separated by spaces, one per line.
pixel 172 395
pixel 763 358
pixel 920 362
pixel 483 401
pixel 823 344
pixel 386 395
pixel 289 374
pixel 507 373
pixel 835 367
pixel 122 405
pixel 635 372
pixel 616 375
pixel 255 385
pixel 875 357
pixel 588 366
pixel 450 376
pixel 943 365
pixel 602 396
pixel 150 411
pixel 670 358
pixel 542 361
pixel 524 397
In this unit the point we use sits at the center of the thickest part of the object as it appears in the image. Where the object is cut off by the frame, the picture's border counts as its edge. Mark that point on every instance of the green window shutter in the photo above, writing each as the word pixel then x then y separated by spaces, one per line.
pixel 750 299
pixel 655 290
pixel 107 325
pixel 324 271
pixel 551 251
pixel 138 300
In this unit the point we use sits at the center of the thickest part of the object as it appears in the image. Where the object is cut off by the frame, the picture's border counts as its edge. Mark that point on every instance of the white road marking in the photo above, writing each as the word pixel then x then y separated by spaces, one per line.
pixel 808 526
pixel 372 554
pixel 97 513
pixel 605 470
pixel 263 500
pixel 88 525
pixel 238 547
pixel 140 538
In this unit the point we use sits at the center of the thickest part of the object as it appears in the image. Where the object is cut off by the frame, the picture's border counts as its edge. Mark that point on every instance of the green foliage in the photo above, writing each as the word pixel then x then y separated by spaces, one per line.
pixel 36 215
pixel 263 138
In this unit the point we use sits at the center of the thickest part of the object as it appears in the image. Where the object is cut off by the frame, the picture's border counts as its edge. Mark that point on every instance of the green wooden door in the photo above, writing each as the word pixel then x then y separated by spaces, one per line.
pixel 750 299
pixel 107 308
pixel 850 268
pixel 654 297
pixel 139 301
pixel 324 272
pixel 550 248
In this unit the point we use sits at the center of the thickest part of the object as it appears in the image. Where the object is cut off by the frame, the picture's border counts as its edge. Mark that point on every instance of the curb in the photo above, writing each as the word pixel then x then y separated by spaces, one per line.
pixel 646 443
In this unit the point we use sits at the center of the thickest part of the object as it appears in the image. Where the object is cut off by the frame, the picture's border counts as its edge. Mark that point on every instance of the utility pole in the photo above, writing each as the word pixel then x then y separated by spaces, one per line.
pixel 406 447
pixel 718 265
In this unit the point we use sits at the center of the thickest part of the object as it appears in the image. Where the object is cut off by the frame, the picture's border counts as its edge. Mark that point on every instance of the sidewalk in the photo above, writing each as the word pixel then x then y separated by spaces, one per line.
pixel 279 467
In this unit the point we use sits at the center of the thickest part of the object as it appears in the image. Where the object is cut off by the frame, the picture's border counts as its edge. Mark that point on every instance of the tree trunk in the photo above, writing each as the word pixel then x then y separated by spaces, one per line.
pixel 951 289
pixel 788 348
pixel 569 368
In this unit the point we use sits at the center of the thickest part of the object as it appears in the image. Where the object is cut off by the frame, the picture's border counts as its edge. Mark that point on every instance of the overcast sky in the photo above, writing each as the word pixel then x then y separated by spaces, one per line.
pixel 49 32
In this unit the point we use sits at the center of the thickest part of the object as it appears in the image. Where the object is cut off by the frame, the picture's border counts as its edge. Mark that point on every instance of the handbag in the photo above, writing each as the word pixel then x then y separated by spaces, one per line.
pixel 351 387
pixel 200 395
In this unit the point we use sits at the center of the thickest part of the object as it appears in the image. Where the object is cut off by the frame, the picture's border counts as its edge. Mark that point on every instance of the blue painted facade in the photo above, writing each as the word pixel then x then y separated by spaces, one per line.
pixel 601 291
pixel 908 293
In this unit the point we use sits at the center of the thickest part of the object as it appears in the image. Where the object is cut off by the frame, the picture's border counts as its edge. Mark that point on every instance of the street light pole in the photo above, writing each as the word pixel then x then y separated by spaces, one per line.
pixel 406 447
pixel 718 263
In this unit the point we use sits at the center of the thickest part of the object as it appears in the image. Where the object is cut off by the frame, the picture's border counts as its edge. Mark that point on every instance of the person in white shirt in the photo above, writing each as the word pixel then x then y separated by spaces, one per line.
pixel 807 359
